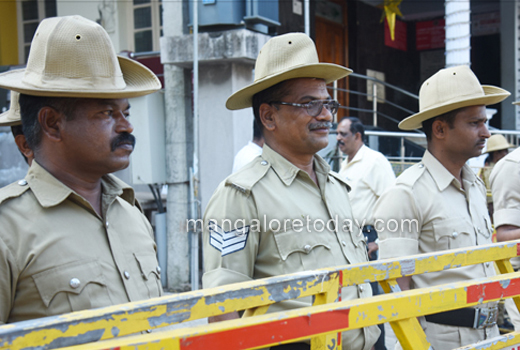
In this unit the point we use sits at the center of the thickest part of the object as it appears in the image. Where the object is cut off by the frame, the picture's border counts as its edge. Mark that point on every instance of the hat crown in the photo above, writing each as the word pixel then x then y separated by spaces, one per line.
pixel 283 53
pixel 449 85
pixel 72 50
pixel 497 142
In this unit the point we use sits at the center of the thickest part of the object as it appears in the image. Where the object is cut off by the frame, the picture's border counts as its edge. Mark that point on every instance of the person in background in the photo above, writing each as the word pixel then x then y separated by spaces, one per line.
pixel 497 148
pixel 250 151
pixel 369 174
pixel 13 119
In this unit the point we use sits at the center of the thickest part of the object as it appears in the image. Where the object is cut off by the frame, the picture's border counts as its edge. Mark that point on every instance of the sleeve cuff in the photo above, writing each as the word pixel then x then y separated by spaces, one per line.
pixel 397 247
pixel 221 277
pixel 506 217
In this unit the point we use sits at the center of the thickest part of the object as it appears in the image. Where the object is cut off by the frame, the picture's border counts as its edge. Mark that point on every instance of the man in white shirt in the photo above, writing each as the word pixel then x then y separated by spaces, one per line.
pixel 250 151
pixel 368 172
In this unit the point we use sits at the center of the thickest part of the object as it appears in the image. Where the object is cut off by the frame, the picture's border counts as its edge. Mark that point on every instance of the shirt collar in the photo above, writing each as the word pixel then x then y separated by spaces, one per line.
pixel 359 155
pixel 50 192
pixel 442 177
pixel 286 170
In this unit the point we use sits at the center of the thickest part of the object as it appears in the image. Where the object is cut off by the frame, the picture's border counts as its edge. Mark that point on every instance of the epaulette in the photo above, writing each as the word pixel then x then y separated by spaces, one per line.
pixel 16 189
pixel 513 156
pixel 410 176
pixel 244 179
pixel 338 177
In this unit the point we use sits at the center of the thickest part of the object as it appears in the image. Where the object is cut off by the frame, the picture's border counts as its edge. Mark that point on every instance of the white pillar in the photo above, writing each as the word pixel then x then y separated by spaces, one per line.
pixel 458 32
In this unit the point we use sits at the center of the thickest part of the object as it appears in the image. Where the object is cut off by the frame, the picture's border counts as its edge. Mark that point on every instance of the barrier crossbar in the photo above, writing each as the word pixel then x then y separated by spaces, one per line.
pixel 90 326
pixel 299 324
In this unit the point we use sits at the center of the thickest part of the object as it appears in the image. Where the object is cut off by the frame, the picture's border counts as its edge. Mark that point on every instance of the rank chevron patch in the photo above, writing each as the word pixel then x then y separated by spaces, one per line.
pixel 230 241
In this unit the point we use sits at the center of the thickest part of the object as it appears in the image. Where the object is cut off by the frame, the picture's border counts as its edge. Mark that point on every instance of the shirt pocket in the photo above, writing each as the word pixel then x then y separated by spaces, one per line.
pixel 72 287
pixel 303 251
pixel 150 273
pixel 453 233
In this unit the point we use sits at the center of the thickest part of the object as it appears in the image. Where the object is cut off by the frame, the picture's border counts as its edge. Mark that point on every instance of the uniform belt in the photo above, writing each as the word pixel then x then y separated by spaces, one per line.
pixel 468 317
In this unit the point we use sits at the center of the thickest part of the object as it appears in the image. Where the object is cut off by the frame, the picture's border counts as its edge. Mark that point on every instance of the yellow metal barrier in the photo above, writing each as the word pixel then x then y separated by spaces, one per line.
pixel 104 328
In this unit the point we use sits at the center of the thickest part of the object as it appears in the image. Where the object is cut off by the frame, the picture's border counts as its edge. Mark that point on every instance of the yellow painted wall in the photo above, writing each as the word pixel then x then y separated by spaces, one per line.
pixel 8 33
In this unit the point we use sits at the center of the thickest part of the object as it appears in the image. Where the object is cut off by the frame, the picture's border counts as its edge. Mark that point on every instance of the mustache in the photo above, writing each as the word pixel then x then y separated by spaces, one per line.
pixel 341 142
pixel 121 139
pixel 320 125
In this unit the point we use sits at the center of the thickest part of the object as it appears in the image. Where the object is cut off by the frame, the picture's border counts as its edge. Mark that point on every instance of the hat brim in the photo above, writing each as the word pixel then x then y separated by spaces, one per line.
pixel 492 95
pixel 139 81
pixel 329 72
pixel 5 120
pixel 498 148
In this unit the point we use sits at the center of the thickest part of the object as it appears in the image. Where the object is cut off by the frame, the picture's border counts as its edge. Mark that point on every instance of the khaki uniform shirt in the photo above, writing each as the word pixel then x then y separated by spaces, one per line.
pixel 277 224
pixel 57 255
pixel 446 217
pixel 369 174
pixel 505 186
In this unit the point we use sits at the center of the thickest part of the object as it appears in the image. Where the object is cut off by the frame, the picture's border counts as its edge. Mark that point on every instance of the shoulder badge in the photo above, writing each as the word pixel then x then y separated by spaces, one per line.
pixel 336 176
pixel 13 190
pixel 411 175
pixel 244 179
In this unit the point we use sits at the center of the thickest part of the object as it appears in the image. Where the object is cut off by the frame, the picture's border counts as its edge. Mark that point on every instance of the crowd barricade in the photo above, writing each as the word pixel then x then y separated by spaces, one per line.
pixel 138 325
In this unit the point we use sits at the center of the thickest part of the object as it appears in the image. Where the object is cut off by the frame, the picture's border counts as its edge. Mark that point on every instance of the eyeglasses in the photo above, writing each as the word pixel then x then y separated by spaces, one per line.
pixel 315 107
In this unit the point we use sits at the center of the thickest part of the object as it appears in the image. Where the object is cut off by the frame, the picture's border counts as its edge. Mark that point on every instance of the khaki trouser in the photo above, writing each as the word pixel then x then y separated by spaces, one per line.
pixel 513 313
pixel 443 337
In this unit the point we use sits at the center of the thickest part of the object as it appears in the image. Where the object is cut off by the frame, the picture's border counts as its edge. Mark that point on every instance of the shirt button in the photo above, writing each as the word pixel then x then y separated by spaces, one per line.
pixel 361 289
pixel 488 264
pixel 158 269
pixel 74 283
pixel 126 274
pixel 421 165
pixel 307 248
pixel 106 225
pixel 264 162
pixel 343 243
pixel 455 234
pixel 22 183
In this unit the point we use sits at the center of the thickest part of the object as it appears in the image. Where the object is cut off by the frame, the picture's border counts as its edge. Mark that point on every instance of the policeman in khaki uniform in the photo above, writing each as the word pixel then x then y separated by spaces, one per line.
pixel 505 188
pixel 445 197
pixel 279 204
pixel 73 237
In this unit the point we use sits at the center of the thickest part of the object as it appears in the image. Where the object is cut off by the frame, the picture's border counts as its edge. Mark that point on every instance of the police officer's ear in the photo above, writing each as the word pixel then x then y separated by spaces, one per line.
pixel 51 121
pixel 439 128
pixel 267 116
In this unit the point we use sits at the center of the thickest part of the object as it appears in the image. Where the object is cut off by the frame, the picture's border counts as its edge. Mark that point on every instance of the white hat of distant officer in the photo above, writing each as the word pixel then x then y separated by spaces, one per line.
pixel 73 57
pixel 12 116
pixel 285 57
pixel 450 89
pixel 497 142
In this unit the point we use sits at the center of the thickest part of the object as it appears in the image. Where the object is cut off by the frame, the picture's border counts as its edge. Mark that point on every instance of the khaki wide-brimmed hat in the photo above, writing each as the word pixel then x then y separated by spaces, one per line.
pixel 497 142
pixel 450 89
pixel 284 57
pixel 12 116
pixel 73 57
